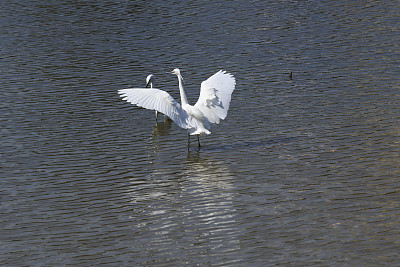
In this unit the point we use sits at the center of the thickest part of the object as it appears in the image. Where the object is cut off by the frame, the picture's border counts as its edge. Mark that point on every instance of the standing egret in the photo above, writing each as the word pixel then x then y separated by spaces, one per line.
pixel 211 107
pixel 150 82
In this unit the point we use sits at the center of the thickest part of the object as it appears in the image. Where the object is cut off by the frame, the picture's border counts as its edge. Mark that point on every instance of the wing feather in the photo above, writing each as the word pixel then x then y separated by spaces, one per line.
pixel 215 96
pixel 156 99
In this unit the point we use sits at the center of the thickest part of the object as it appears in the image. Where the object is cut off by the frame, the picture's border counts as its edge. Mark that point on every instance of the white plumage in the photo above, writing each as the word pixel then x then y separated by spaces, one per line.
pixel 215 96
pixel 156 99
pixel 211 107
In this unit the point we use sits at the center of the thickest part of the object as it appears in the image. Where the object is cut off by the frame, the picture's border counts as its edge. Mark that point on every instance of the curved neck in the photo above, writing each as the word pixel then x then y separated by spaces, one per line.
pixel 181 91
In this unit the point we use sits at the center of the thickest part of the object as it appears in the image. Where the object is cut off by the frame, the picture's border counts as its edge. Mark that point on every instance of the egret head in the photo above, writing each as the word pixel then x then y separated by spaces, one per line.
pixel 176 72
pixel 150 81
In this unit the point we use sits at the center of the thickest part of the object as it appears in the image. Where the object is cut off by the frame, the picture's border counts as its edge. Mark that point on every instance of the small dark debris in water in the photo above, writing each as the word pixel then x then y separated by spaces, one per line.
pixel 290 76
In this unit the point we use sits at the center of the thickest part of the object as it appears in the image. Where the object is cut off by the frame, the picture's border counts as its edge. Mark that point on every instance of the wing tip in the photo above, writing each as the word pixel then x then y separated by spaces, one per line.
pixel 225 73
pixel 230 75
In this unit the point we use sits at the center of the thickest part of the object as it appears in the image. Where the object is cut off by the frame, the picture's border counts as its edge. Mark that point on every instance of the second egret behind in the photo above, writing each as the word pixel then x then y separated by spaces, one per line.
pixel 211 107
pixel 150 82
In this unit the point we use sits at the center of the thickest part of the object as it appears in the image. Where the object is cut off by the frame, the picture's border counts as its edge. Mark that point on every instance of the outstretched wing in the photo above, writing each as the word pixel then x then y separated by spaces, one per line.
pixel 215 96
pixel 156 99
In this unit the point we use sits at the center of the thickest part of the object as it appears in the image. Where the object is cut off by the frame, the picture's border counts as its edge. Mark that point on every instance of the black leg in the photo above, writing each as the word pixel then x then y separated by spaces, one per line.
pixel 198 140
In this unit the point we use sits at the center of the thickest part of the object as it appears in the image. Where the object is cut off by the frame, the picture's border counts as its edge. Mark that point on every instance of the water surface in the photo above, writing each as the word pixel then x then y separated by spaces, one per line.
pixel 302 172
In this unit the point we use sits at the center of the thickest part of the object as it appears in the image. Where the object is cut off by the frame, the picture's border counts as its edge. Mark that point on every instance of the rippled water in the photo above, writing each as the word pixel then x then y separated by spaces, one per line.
pixel 302 172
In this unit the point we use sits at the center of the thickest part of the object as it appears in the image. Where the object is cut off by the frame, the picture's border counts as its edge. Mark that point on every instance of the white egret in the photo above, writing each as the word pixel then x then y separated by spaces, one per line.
pixel 150 82
pixel 211 107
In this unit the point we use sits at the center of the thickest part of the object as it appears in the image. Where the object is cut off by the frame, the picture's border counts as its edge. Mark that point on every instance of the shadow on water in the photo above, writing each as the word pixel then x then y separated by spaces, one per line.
pixel 244 145
pixel 162 128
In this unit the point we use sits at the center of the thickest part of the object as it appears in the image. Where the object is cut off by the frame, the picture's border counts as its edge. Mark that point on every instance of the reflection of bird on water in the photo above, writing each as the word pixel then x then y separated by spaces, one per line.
pixel 211 107
pixel 162 128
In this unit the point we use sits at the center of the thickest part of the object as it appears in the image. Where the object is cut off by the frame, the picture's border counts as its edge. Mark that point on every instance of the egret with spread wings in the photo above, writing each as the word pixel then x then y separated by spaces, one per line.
pixel 211 107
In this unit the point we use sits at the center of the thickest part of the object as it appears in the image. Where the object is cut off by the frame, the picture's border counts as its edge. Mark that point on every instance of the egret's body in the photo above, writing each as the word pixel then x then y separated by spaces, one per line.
pixel 211 107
